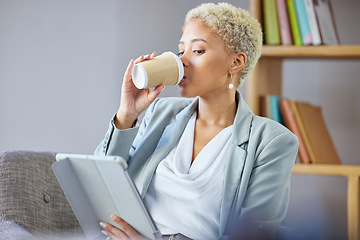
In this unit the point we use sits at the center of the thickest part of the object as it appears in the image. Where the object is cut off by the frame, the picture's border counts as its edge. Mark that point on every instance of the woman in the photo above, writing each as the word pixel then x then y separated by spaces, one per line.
pixel 205 165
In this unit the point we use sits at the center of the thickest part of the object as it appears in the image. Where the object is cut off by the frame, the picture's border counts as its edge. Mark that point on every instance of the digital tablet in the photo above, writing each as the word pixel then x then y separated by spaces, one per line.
pixel 98 186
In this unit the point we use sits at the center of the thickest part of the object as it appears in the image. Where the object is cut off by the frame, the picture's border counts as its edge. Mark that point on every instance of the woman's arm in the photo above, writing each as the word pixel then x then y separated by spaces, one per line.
pixel 120 134
pixel 133 100
pixel 124 142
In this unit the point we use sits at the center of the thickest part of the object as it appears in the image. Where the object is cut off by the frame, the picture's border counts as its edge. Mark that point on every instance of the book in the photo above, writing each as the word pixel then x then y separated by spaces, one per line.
pixel 304 27
pixel 256 9
pixel 269 107
pixel 303 132
pixel 314 26
pixel 271 25
pixel 294 24
pixel 284 24
pixel 288 117
pixel 317 138
pixel 274 108
pixel 326 21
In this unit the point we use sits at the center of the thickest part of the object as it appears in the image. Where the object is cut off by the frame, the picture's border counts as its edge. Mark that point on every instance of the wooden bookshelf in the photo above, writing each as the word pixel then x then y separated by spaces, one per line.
pixel 341 51
pixel 327 169
pixel 266 78
pixel 352 173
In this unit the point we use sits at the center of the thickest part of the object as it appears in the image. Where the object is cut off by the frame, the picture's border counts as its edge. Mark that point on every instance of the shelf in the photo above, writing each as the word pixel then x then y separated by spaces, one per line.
pixel 324 51
pixel 327 169
pixel 266 78
pixel 352 172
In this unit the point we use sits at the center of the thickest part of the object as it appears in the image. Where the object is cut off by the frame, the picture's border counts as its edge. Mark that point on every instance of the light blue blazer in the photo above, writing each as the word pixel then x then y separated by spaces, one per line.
pixel 258 169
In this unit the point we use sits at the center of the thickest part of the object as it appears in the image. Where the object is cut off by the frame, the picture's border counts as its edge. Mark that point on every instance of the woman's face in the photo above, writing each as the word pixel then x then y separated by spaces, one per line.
pixel 206 61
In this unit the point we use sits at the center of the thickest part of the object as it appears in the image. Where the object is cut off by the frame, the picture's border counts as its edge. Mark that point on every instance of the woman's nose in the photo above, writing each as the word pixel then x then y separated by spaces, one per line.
pixel 184 60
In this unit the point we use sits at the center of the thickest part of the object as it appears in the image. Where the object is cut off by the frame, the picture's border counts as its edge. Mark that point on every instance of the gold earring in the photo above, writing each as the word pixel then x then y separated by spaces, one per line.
pixel 231 86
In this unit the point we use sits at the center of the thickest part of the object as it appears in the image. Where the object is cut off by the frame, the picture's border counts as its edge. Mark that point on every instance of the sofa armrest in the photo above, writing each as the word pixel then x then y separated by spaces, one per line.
pixel 30 195
pixel 11 230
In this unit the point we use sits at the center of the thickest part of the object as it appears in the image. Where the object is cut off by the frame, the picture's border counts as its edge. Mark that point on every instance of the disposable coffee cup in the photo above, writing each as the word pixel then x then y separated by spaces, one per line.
pixel 165 69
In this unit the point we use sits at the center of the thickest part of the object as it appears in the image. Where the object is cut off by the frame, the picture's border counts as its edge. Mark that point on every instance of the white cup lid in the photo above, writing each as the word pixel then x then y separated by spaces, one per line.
pixel 139 76
pixel 180 67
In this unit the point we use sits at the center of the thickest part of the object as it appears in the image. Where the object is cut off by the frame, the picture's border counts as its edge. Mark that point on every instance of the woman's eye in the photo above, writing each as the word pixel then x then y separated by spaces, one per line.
pixel 199 52
pixel 180 54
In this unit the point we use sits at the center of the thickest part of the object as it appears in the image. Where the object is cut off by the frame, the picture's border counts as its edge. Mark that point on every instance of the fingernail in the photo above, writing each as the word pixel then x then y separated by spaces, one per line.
pixel 113 217
pixel 103 232
pixel 131 62
pixel 102 224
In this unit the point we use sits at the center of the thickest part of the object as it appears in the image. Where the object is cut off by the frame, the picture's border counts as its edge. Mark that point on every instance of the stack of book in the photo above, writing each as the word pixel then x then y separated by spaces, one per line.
pixel 298 22
pixel 306 121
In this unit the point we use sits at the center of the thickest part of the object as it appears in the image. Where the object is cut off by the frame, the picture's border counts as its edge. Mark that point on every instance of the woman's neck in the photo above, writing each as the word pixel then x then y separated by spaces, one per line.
pixel 219 111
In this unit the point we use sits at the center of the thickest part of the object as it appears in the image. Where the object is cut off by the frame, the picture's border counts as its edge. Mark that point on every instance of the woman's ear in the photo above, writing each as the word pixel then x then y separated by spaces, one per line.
pixel 238 62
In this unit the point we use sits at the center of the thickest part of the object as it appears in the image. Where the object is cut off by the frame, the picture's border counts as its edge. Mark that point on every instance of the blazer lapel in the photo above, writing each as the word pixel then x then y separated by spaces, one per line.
pixel 170 136
pixel 235 162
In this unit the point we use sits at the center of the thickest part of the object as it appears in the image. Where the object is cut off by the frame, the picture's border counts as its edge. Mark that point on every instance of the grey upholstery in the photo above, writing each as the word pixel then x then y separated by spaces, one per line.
pixel 31 200
pixel 33 206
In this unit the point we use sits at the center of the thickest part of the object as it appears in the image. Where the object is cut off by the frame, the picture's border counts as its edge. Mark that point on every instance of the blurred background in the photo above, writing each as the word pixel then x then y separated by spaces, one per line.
pixel 61 68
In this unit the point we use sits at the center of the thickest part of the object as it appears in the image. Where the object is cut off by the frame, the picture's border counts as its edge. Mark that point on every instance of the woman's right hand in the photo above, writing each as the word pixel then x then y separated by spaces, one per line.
pixel 133 100
pixel 126 231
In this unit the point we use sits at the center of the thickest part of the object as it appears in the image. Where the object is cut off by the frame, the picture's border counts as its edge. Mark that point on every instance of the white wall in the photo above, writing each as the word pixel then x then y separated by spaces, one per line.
pixel 61 67
pixel 62 62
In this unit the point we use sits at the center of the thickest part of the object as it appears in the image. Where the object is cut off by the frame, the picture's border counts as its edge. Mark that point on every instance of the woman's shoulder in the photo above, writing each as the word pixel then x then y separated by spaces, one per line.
pixel 175 104
pixel 268 128
pixel 174 100
pixel 165 110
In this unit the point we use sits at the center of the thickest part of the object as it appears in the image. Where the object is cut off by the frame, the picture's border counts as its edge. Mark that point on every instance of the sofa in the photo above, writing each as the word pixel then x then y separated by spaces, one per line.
pixel 32 203
pixel 34 207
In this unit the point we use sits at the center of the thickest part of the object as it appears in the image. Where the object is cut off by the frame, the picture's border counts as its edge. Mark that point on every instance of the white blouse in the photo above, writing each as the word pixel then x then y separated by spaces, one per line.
pixel 185 198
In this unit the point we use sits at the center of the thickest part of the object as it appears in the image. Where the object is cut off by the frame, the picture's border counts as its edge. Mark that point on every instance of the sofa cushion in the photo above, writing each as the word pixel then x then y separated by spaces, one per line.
pixel 30 195
pixel 13 231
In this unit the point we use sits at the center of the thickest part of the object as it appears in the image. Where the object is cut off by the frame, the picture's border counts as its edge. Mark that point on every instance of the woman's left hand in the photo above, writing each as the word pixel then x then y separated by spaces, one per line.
pixel 126 232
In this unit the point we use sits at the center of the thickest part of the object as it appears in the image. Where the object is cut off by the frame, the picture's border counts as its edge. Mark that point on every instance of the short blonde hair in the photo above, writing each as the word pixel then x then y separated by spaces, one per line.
pixel 240 31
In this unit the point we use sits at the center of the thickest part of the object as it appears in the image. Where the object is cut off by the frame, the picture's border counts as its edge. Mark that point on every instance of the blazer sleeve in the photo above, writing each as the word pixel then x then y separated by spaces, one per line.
pixel 266 200
pixel 124 142
pixel 117 142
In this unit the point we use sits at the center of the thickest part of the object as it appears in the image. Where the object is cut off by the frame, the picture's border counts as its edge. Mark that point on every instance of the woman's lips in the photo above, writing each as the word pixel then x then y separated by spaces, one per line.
pixel 182 80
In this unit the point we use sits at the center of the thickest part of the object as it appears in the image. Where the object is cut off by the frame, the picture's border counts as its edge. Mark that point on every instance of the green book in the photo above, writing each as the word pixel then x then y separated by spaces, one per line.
pixel 294 23
pixel 275 110
pixel 271 25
